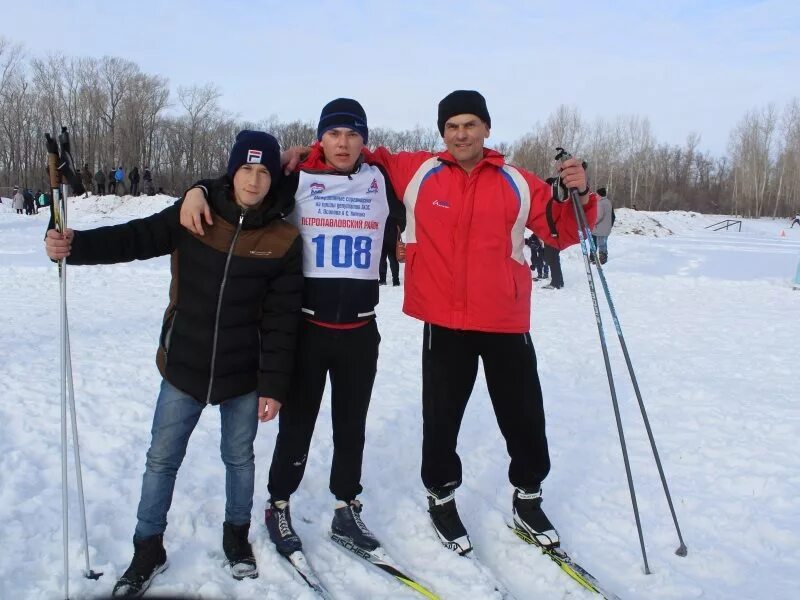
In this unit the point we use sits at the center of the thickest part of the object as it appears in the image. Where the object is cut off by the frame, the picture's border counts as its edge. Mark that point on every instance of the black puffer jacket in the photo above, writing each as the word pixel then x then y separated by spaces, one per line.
pixel 241 281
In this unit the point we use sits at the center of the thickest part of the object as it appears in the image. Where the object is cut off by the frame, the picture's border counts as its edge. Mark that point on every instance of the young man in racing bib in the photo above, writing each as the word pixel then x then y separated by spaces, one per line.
pixel 341 207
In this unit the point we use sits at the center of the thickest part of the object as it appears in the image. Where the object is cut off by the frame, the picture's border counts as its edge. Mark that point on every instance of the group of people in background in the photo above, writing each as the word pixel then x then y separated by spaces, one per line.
pixel 113 182
pixel 546 259
pixel 25 201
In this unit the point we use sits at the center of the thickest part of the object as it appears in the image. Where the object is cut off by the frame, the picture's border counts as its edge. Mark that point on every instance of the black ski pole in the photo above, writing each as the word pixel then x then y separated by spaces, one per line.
pixel 583 225
pixel 585 248
pixel 60 173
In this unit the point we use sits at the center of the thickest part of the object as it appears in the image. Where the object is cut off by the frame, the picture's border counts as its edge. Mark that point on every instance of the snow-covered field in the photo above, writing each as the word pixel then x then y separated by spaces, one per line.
pixel 711 322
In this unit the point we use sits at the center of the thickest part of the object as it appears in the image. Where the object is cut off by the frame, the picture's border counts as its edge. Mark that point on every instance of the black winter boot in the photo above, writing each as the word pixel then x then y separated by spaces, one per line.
pixel 530 518
pixel 447 523
pixel 149 559
pixel 347 523
pixel 279 524
pixel 238 551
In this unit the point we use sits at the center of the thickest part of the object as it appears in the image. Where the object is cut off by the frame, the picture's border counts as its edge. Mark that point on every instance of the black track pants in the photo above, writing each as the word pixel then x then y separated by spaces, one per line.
pixel 389 251
pixel 553 260
pixel 350 356
pixel 449 368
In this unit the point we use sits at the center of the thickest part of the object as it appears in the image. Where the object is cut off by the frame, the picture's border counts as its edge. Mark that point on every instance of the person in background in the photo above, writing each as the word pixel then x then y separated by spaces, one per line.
pixel 86 178
pixel 551 254
pixel 537 257
pixel 602 228
pixel 112 181
pixel 119 178
pixel 147 178
pixel 28 203
pixel 134 179
pixel 389 252
pixel 100 181
pixel 796 220
pixel 19 201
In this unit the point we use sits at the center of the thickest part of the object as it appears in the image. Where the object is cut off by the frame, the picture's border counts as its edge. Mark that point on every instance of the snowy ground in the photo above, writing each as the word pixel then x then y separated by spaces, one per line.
pixel 711 324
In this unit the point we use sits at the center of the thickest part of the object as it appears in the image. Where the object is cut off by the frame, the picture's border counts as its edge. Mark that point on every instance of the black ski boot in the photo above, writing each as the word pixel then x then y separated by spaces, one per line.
pixel 347 523
pixel 149 559
pixel 603 257
pixel 530 518
pixel 279 524
pixel 447 523
pixel 238 551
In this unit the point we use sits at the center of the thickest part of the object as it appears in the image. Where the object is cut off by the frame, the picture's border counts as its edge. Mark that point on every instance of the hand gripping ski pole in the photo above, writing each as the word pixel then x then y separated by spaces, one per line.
pixel 61 172
pixel 588 249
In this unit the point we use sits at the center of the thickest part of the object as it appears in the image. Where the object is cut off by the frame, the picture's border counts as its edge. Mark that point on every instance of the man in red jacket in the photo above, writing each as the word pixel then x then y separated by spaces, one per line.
pixel 466 278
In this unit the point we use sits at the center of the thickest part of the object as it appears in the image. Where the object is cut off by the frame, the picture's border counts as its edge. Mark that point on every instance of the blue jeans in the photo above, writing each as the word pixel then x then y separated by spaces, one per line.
pixel 175 418
pixel 601 241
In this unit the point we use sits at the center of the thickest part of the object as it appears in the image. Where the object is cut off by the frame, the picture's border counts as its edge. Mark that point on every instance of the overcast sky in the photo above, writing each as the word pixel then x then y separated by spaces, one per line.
pixel 686 65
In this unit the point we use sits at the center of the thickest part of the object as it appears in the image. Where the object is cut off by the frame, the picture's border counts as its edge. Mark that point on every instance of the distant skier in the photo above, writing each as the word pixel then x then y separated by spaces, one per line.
pixel 230 340
pixel 795 220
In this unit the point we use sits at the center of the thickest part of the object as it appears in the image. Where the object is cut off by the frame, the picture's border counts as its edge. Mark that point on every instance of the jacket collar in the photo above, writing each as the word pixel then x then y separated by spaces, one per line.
pixel 490 157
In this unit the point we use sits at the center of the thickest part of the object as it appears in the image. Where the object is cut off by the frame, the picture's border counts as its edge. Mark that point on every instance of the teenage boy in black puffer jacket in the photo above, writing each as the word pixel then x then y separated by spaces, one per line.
pixel 228 336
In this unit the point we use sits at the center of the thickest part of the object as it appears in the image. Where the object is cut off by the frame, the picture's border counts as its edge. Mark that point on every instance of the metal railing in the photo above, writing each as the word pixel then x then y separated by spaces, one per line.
pixel 725 225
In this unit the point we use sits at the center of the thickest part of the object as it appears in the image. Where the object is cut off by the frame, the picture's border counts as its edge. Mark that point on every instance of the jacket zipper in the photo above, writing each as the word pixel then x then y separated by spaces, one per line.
pixel 219 306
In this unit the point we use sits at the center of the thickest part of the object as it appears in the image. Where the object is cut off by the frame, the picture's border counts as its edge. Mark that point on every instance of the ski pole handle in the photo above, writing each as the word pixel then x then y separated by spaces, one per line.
pixel 52 161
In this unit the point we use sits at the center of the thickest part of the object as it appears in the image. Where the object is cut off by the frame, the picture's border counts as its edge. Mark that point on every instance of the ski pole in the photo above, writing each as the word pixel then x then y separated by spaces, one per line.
pixel 583 224
pixel 58 214
pixel 66 167
pixel 88 573
pixel 585 249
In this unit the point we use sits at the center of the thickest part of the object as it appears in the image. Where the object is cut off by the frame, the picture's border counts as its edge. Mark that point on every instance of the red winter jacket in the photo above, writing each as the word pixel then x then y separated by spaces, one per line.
pixel 465 268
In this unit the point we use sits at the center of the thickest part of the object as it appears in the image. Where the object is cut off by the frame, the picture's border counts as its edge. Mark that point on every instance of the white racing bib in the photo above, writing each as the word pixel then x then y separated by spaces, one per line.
pixel 341 220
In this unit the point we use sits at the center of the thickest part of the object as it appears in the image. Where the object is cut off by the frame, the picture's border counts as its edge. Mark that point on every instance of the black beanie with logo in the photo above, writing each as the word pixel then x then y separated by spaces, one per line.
pixel 255 147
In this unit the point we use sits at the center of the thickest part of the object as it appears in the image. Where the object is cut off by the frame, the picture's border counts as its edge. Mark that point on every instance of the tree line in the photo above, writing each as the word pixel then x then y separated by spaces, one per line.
pixel 119 115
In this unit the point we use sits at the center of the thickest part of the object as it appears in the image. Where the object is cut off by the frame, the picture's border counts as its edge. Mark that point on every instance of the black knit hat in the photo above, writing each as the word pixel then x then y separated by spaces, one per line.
pixel 255 147
pixel 343 112
pixel 463 102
